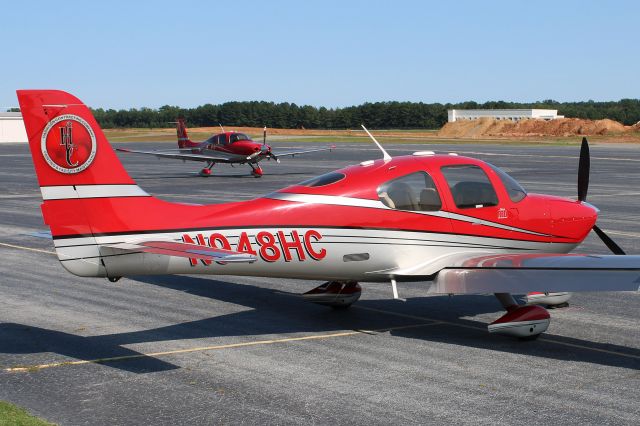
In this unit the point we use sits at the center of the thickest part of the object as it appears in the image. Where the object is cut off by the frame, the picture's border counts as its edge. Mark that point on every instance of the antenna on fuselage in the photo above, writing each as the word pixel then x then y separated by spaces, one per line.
pixel 220 124
pixel 385 154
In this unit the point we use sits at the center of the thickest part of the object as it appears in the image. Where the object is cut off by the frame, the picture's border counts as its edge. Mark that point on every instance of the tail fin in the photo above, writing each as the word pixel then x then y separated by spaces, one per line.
pixel 78 172
pixel 90 200
pixel 67 144
pixel 183 138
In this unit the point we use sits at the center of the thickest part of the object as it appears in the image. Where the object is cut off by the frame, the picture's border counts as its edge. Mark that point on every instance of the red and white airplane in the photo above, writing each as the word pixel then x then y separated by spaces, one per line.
pixel 226 147
pixel 457 224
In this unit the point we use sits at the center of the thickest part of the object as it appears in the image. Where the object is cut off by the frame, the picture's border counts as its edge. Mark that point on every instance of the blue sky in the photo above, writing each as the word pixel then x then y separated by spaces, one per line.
pixel 121 54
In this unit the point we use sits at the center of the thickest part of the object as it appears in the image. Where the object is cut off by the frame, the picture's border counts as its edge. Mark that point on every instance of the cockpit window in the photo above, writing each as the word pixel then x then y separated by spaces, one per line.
pixel 514 189
pixel 470 186
pixel 413 192
pixel 239 137
pixel 323 180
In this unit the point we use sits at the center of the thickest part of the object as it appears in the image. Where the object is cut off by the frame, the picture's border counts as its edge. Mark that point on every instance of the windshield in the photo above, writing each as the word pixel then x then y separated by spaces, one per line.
pixel 323 180
pixel 239 137
pixel 514 189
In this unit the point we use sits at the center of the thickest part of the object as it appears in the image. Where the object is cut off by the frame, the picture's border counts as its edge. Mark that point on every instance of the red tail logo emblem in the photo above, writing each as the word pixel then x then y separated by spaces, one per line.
pixel 75 148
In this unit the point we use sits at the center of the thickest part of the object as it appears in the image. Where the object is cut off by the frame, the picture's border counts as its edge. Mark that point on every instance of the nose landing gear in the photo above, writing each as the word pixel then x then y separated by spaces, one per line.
pixel 207 170
pixel 256 171
pixel 524 322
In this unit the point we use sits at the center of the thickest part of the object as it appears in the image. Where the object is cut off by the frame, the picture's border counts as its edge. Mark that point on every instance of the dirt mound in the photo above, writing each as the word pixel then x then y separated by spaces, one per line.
pixel 488 127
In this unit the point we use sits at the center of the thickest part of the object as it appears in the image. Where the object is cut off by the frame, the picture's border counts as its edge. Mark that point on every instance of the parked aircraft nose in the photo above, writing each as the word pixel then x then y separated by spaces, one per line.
pixel 572 219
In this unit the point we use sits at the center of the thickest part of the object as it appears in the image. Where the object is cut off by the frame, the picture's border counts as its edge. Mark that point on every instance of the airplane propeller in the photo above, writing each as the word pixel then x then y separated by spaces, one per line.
pixel 584 166
pixel 267 152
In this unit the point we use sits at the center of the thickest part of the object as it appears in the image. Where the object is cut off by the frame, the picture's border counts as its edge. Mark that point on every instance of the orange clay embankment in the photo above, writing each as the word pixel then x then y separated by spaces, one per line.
pixel 483 129
pixel 488 127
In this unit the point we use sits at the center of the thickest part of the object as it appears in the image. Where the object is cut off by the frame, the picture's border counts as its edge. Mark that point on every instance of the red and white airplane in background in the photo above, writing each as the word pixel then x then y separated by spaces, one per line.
pixel 226 147
pixel 457 224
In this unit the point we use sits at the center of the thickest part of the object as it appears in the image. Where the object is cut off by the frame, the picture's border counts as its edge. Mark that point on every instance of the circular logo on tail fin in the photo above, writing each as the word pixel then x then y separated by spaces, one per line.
pixel 68 144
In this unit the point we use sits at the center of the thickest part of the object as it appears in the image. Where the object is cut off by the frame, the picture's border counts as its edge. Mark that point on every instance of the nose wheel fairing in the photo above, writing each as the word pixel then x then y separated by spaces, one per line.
pixel 256 171
pixel 522 321
pixel 207 170
pixel 525 322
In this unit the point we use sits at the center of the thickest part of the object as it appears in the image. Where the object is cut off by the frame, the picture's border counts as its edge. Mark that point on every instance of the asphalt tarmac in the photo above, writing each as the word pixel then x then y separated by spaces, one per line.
pixel 232 350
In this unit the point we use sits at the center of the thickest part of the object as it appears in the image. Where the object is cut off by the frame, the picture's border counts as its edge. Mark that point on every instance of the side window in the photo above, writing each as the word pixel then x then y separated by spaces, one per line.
pixel 235 137
pixel 221 139
pixel 414 192
pixel 470 186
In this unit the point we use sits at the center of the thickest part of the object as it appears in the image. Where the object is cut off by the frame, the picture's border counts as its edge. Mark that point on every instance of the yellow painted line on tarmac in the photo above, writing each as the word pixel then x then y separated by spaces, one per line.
pixel 540 339
pixel 575 345
pixel 27 248
pixel 30 368
pixel 417 317
pixel 432 321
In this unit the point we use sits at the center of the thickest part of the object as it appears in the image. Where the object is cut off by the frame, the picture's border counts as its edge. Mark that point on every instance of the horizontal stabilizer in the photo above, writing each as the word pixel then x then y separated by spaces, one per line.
pixel 193 251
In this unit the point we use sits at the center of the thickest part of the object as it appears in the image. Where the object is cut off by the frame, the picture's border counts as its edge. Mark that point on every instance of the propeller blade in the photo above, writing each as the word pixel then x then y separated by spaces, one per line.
pixel 254 155
pixel 583 171
pixel 615 249
pixel 264 135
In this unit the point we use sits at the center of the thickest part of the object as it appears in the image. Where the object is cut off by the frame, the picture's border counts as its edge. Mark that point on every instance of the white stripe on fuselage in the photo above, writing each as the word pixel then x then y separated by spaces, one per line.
pixel 387 250
pixel 377 204
pixel 66 192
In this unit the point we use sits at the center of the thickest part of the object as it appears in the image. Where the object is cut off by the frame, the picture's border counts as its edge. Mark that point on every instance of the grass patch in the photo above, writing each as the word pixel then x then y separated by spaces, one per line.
pixel 12 415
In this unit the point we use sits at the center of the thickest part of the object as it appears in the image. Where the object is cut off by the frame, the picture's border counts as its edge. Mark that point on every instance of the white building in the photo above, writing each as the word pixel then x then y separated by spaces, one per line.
pixel 12 127
pixel 503 114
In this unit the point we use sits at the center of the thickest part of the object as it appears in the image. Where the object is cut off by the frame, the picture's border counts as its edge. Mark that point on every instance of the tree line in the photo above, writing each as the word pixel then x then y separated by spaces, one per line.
pixel 378 115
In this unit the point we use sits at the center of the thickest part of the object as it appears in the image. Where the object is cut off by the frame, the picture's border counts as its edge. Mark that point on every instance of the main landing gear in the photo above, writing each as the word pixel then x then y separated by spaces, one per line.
pixel 207 170
pixel 337 294
pixel 256 171
pixel 525 322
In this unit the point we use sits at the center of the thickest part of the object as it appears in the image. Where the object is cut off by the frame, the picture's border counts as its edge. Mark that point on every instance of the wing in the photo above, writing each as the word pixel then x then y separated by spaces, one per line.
pixel 475 273
pixel 176 249
pixel 303 151
pixel 180 154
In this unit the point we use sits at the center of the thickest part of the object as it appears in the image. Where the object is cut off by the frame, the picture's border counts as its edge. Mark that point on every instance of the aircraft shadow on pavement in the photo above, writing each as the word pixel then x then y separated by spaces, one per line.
pixel 24 339
pixel 275 313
